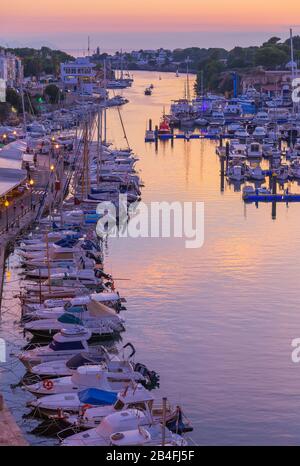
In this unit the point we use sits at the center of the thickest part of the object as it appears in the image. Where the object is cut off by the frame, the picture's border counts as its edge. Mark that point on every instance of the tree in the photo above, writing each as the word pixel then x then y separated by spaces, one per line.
pixel 14 99
pixel 53 93
pixel 271 56
pixel 4 111
pixel 272 41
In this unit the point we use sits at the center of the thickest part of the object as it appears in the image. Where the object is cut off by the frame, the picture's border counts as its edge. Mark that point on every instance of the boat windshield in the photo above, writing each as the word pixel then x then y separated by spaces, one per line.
pixel 119 405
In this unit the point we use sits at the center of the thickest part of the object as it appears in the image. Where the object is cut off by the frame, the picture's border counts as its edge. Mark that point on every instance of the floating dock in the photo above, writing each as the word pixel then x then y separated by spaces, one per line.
pixel 271 198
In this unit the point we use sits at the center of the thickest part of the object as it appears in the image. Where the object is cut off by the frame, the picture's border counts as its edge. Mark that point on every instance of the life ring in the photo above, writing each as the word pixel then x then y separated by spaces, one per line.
pixel 48 384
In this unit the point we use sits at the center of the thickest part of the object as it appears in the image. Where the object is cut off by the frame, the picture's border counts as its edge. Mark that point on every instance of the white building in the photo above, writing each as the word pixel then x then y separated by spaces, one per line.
pixel 78 76
pixel 11 69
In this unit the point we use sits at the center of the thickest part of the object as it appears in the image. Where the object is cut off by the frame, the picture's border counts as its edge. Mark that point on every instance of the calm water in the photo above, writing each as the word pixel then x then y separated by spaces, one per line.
pixel 217 322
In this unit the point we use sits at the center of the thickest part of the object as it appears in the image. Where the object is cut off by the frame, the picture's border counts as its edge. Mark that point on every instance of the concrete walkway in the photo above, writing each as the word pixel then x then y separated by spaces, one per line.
pixel 10 432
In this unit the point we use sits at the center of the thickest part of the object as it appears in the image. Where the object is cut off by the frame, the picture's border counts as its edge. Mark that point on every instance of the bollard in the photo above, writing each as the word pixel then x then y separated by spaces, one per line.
pixel 274 184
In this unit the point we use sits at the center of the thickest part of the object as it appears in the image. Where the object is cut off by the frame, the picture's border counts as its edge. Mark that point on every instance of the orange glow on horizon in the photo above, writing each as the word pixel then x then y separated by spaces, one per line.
pixel 134 15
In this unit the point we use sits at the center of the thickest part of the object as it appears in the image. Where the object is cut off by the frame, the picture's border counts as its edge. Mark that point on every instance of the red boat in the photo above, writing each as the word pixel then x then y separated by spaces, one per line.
pixel 164 130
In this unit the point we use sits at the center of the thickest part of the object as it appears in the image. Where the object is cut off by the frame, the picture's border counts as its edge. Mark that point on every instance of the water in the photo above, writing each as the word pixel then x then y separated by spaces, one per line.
pixel 216 323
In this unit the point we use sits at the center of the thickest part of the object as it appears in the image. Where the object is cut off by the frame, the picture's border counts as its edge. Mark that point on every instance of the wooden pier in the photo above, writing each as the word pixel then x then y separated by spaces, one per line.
pixel 10 432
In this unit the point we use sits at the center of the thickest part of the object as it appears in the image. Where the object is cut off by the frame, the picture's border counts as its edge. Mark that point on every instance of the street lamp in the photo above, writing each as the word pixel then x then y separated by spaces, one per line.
pixel 6 205
pixel 31 183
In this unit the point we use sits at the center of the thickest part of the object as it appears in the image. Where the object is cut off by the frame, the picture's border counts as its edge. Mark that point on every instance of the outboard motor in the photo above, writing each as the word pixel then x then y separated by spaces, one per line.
pixel 100 274
pixel 177 424
pixel 152 378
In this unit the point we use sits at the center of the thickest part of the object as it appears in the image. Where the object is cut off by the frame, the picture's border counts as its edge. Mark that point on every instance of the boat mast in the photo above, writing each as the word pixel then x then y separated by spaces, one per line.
pixel 23 110
pixel 121 66
pixel 105 100
pixel 292 61
pixel 99 144
pixel 164 421
pixel 187 79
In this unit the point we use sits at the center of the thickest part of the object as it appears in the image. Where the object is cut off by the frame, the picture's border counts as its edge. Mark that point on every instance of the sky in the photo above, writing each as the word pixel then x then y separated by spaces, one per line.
pixel 135 24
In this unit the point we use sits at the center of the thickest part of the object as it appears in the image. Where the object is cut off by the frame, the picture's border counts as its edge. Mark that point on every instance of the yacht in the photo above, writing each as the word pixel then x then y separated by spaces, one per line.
pixel 254 150
pixel 261 118
pixel 259 132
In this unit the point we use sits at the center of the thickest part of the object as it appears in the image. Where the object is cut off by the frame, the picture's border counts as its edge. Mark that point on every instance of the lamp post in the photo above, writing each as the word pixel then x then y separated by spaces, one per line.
pixel 6 205
pixel 31 183
pixel 52 169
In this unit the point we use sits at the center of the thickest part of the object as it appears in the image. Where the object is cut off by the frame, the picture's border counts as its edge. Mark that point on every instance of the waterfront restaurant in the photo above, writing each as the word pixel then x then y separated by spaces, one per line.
pixel 78 76
pixel 12 176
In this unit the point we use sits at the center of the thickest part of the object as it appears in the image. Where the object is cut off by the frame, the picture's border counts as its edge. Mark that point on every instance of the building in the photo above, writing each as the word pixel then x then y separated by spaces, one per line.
pixel 78 75
pixel 270 82
pixel 11 69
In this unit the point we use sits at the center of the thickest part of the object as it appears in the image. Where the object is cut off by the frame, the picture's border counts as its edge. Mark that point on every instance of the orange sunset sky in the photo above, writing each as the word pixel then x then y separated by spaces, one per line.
pixel 136 23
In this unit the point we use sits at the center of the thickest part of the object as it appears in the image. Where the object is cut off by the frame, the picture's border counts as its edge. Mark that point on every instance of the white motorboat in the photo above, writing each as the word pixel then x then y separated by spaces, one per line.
pixel 236 172
pixel 124 428
pixel 261 118
pixel 256 173
pixel 135 396
pixel 64 345
pixel 148 436
pixel 102 322
pixel 111 377
pixel 254 150
pixel 259 133
pixel 111 299
pixel 217 119
pixel 67 367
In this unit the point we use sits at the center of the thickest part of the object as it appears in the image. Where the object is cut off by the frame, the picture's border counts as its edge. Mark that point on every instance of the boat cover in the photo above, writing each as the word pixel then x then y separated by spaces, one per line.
pixel 69 319
pixel 94 396
pixel 99 310
pixel 83 359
